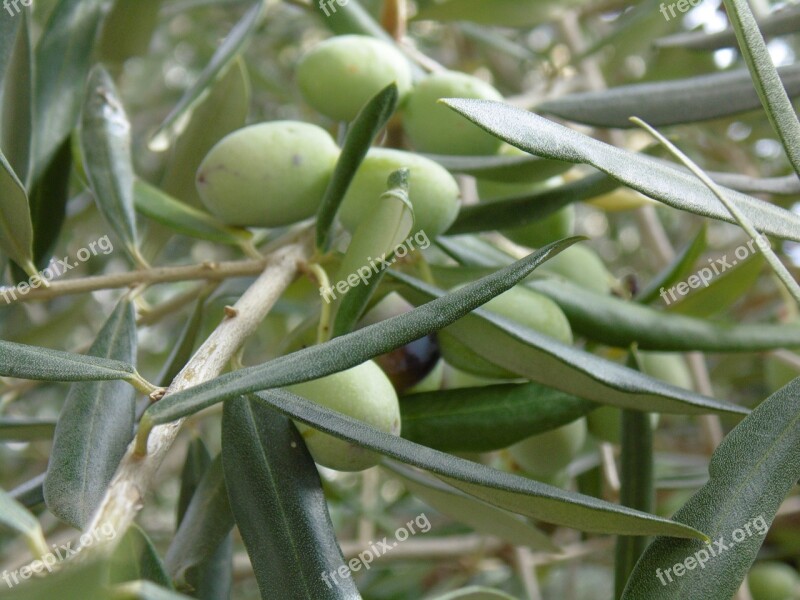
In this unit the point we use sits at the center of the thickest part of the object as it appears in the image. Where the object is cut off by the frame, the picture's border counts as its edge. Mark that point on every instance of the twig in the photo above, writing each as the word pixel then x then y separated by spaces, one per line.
pixel 125 495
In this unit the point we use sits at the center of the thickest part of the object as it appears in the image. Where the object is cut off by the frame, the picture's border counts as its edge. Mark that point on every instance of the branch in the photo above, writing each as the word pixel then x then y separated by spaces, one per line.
pixel 125 495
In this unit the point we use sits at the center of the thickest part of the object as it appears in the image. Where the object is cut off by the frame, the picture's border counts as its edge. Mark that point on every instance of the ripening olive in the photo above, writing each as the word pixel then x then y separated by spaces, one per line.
pixel 605 422
pixel 524 306
pixel 580 265
pixel 364 393
pixel 340 75
pixel 437 129
pixel 546 454
pixel 267 175
pixel 771 580
pixel 432 190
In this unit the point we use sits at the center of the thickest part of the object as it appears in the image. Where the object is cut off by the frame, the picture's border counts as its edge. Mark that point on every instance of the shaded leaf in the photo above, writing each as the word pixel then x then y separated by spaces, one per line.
pixel 16 517
pixel 26 430
pixel 16 230
pixel 751 472
pixel 17 103
pixel 127 29
pixel 657 180
pixel 136 558
pixel 678 270
pixel 145 590
pixel 503 169
pixel 94 428
pixel 280 508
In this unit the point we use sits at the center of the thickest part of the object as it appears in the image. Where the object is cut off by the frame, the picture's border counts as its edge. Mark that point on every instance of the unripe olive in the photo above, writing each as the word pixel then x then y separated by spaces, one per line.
pixel 364 393
pixel 771 580
pixel 340 75
pixel 546 454
pixel 605 422
pixel 437 129
pixel 268 175
pixel 580 265
pixel 553 227
pixel 433 192
pixel 524 306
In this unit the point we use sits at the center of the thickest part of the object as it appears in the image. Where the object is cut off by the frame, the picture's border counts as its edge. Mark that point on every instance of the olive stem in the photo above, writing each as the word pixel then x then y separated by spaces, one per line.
pixel 324 327
pixel 126 492
pixel 210 271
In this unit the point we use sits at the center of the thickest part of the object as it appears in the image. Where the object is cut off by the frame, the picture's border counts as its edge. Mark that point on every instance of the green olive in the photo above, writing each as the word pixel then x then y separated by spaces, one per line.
pixel 364 393
pixel 340 75
pixel 580 265
pixel 605 422
pixel 524 306
pixel 433 192
pixel 268 175
pixel 771 580
pixel 437 129
pixel 547 454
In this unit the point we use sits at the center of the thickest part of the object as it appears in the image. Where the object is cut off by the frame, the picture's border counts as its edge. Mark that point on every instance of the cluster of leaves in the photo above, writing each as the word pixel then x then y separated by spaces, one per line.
pixel 66 136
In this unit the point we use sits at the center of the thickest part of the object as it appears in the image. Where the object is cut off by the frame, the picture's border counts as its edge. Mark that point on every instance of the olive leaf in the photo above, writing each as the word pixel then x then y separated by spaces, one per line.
pixel 504 169
pixel 475 592
pixel 538 357
pixel 672 186
pixel 751 472
pixel 345 351
pixel 668 102
pixel 234 43
pixel 16 230
pixel 369 122
pixel 678 270
pixel 63 60
pixel 482 419
pixel 17 103
pixel 510 492
pixel 30 493
pixel 766 79
pixel 135 558
pixel 480 516
pixel 616 322
pixel 505 13
pixel 94 428
pixel 128 29
pixel 16 517
pixel 106 148
pixel 26 429
pixel 8 33
pixel 280 508
pixel 144 590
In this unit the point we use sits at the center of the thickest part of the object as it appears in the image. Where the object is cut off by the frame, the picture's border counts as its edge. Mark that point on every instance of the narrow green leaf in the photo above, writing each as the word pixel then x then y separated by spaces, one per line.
pixel 780 22
pixel 63 59
pixel 505 13
pixel 234 43
pixel 511 492
pixel 30 493
pixel 8 33
pixel 480 516
pixel 767 81
pixel 678 270
pixel 144 590
pixel 94 428
pixel 516 212
pixel 16 230
pixel 17 103
pixel 668 102
pixel 505 169
pixel 280 508
pixel 197 462
pixel 206 523
pixel 44 364
pixel 540 358
pixel 751 472
pixel 353 19
pixel 183 349
pixel 223 110
pixel 365 127
pixel 348 350
pixel 182 218
pixel 136 558
pixel 79 580
pixel 26 430
pixel 106 148
pixel 128 29
pixel 16 517
pixel 475 592
pixel 482 419
pixel 379 233
pixel 659 181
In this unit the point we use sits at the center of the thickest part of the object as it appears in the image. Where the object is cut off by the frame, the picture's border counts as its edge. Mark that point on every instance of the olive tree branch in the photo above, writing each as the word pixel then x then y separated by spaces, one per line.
pixel 125 494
